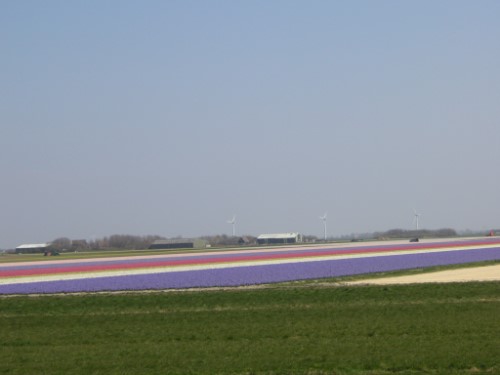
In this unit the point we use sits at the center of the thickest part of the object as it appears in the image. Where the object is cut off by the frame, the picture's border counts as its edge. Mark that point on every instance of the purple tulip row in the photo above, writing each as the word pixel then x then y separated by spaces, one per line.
pixel 250 275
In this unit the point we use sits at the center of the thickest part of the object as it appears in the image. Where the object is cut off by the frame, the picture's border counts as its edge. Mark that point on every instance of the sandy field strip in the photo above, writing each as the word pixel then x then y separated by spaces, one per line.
pixel 484 273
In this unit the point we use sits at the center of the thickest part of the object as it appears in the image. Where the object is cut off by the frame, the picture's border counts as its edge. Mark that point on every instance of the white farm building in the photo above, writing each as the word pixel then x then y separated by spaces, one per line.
pixel 279 238
pixel 33 248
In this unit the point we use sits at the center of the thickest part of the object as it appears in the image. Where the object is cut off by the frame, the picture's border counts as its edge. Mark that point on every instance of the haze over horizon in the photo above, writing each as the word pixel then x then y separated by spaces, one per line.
pixel 168 117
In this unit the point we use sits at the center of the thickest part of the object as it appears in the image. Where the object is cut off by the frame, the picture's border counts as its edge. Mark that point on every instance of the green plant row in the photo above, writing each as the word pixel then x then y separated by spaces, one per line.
pixel 439 328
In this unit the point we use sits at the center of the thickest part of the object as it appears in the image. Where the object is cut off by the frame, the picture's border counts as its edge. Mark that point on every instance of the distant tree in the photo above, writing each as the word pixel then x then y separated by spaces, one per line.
pixel 446 232
pixel 404 233
pixel 123 241
pixel 79 245
pixel 61 243
pixel 225 240
pixel 309 238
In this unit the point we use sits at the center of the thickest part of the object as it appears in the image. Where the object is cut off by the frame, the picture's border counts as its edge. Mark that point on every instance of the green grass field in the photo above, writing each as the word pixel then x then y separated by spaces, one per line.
pixel 435 329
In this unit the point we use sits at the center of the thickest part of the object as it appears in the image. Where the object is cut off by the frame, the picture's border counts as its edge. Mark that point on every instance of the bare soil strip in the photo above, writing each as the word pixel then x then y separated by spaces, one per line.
pixel 484 273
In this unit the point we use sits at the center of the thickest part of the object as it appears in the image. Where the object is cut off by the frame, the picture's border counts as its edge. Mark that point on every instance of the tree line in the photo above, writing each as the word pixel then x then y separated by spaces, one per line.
pixel 405 233
pixel 132 242
pixel 115 241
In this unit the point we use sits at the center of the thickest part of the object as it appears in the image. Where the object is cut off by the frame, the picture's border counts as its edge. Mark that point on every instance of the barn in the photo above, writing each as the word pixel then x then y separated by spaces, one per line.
pixel 33 248
pixel 179 243
pixel 279 238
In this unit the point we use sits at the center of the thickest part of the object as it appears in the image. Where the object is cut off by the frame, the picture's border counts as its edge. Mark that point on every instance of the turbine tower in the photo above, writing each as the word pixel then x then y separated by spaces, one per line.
pixel 323 218
pixel 233 223
pixel 415 218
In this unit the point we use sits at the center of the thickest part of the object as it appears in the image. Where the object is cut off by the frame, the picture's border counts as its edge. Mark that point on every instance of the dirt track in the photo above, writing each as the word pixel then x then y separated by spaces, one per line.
pixel 485 273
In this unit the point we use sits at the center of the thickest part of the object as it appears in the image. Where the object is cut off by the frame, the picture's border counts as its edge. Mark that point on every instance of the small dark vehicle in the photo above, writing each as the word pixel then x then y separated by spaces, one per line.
pixel 414 239
pixel 49 253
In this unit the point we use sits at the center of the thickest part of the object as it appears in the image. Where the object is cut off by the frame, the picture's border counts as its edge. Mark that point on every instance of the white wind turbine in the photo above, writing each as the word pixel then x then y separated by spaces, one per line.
pixel 233 223
pixel 323 218
pixel 416 216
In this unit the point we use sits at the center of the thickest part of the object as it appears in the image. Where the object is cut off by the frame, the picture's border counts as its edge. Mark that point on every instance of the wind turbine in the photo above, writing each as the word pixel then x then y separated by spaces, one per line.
pixel 415 218
pixel 323 218
pixel 233 223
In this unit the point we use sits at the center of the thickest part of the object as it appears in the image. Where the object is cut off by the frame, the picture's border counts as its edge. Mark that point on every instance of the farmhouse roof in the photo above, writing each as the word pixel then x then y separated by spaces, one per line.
pixel 33 246
pixel 278 235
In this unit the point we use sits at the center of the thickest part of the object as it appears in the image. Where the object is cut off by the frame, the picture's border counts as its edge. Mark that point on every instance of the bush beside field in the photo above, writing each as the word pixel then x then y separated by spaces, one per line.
pixel 443 328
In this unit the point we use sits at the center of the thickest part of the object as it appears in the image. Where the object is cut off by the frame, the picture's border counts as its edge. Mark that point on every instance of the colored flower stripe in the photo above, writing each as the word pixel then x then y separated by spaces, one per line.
pixel 151 270
pixel 60 263
pixel 256 274
pixel 82 267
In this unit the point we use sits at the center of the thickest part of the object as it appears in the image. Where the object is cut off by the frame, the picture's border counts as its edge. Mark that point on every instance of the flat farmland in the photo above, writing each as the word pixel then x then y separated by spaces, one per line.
pixel 297 324
pixel 396 329
pixel 238 267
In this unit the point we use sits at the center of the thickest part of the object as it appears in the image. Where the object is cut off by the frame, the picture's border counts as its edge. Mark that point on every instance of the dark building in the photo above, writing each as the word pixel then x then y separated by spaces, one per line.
pixel 279 238
pixel 180 243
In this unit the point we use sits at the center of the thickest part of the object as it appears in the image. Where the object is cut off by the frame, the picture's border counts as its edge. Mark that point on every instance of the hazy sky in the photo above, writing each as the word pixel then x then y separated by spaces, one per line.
pixel 168 117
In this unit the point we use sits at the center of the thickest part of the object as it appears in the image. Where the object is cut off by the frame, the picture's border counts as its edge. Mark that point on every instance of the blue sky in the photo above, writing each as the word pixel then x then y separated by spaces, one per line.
pixel 168 117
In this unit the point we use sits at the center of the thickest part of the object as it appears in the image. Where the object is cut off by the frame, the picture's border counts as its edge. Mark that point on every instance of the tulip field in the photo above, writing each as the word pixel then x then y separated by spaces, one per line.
pixel 235 267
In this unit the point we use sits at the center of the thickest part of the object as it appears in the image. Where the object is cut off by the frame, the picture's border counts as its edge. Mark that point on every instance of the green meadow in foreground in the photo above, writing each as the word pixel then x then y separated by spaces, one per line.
pixel 434 328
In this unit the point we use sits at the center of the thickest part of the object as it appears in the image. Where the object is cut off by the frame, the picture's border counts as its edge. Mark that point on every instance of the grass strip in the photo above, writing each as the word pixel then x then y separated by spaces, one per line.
pixel 444 328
